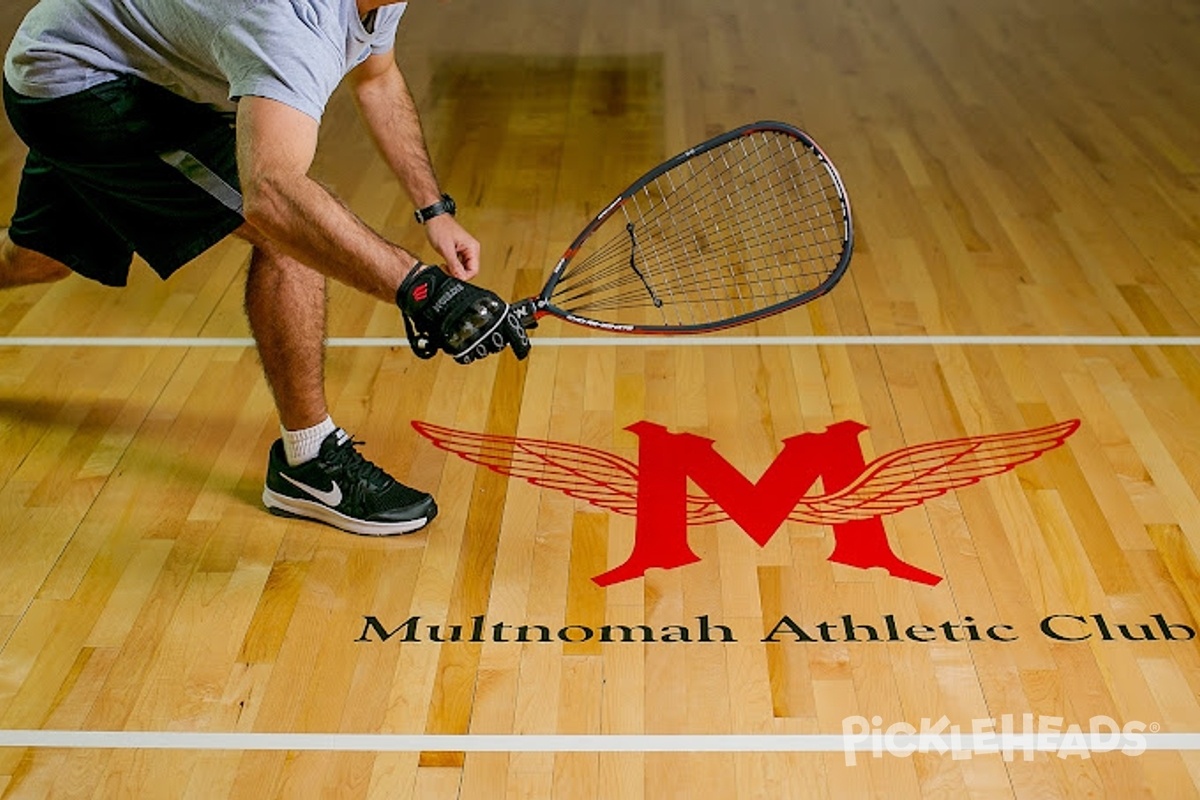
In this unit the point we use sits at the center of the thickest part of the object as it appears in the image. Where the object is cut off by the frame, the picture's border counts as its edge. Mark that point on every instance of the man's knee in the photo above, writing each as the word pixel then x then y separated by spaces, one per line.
pixel 20 266
pixel 265 251
pixel 54 271
pixel 248 233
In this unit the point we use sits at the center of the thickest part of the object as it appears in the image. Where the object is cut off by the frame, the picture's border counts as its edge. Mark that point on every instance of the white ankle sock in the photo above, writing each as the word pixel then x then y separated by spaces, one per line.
pixel 304 445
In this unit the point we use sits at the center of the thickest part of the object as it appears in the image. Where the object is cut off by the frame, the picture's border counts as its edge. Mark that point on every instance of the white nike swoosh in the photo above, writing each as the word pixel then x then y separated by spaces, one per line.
pixel 330 498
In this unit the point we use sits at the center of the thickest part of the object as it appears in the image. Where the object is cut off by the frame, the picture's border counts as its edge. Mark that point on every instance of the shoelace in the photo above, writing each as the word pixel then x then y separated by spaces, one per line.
pixel 358 468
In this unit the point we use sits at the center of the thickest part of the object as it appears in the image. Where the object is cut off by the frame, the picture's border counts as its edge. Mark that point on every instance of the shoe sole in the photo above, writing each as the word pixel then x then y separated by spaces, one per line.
pixel 284 506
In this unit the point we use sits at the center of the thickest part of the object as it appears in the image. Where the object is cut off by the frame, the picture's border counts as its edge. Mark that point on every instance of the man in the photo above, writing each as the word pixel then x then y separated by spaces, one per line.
pixel 161 126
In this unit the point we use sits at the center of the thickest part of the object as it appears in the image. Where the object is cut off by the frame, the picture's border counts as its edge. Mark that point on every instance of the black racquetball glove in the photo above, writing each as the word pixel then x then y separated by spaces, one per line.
pixel 442 312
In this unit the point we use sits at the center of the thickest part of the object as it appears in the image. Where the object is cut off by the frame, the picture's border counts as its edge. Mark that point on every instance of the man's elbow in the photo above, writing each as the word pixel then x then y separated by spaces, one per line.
pixel 264 203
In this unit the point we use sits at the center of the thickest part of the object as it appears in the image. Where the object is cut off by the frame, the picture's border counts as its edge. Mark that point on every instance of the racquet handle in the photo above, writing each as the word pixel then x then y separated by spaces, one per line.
pixel 526 312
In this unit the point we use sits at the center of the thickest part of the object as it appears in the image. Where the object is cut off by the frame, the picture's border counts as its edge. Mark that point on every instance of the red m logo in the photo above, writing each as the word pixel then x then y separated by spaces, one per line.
pixel 855 495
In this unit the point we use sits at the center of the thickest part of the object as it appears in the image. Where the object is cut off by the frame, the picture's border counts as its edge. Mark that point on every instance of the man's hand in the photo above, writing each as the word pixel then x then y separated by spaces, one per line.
pixel 443 312
pixel 459 248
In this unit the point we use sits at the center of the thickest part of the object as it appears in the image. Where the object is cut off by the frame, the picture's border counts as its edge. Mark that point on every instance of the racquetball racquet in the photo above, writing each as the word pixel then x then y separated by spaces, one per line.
pixel 748 224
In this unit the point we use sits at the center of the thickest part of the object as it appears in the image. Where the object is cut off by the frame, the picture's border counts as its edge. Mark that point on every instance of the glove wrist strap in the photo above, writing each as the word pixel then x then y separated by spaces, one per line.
pixel 423 342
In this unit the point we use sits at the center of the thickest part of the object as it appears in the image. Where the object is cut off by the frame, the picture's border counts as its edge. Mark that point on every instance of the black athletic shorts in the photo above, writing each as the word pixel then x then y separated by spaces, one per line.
pixel 123 167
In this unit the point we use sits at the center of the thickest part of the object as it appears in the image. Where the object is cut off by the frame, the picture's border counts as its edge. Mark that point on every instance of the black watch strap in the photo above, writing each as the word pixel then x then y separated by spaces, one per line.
pixel 444 206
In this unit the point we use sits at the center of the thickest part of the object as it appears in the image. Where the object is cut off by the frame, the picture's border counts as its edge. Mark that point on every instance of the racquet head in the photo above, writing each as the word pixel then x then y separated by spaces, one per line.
pixel 748 224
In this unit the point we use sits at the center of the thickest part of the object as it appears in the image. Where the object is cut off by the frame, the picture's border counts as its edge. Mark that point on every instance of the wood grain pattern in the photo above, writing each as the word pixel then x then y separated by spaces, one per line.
pixel 1016 168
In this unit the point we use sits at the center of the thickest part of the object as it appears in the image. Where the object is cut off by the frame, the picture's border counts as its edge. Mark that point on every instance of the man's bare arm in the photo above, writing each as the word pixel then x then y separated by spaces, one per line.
pixel 276 146
pixel 391 116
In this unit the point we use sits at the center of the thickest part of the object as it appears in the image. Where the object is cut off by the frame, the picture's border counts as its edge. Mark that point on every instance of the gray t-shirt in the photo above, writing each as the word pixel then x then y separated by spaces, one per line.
pixel 211 51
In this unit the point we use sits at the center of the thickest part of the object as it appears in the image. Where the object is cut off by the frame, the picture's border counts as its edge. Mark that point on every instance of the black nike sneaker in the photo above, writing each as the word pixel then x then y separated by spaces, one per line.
pixel 341 488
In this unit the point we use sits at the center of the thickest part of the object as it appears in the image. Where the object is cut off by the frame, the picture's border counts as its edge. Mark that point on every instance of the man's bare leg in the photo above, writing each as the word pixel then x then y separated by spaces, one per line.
pixel 20 266
pixel 285 303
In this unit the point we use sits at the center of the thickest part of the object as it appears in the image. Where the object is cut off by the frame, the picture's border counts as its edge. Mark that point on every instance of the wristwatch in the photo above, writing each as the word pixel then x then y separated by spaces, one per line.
pixel 444 206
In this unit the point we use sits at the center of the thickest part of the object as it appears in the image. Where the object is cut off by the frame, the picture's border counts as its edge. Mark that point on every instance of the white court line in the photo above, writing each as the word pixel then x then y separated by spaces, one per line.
pixel 641 341
pixel 530 743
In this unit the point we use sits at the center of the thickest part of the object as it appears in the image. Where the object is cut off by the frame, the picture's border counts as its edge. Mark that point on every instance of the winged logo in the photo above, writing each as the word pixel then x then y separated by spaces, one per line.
pixel 855 495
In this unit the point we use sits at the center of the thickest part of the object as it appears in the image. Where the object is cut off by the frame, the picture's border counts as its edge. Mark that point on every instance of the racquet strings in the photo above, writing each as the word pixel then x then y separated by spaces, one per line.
pixel 747 225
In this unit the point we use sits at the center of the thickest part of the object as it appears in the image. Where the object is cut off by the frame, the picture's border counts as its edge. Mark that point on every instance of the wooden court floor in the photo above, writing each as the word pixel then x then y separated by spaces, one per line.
pixel 1026 185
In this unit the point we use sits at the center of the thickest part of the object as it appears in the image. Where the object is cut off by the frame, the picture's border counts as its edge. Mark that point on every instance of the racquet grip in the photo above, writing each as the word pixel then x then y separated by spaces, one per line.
pixel 526 312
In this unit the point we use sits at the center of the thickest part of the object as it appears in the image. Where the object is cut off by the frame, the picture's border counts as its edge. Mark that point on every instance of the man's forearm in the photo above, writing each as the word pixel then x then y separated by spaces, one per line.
pixel 312 226
pixel 391 116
